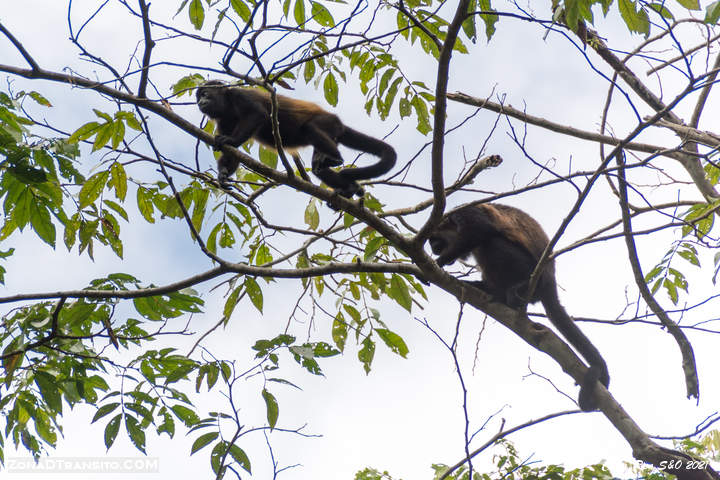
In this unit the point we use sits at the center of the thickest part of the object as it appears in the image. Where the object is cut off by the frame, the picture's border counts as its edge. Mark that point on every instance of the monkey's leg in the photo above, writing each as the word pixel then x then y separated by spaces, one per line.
pixel 226 167
pixel 333 180
pixel 326 153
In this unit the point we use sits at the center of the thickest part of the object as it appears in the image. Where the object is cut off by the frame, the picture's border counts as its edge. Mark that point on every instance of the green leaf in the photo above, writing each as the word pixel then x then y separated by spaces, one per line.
pixel 241 9
pixel 372 248
pixel 104 410
pixel 652 274
pixel 104 134
pixel 272 408
pixel 322 15
pixel 239 455
pixel 167 425
pixel 40 99
pixel 27 174
pixel 312 216
pixel 42 223
pixel 203 441
pixel 185 85
pixel 423 125
pixel 185 415
pixel 662 10
pixel 268 156
pixel 49 390
pixel 196 13
pixel 22 212
pixel 690 4
pixel 299 12
pixel 145 205
pixel 116 208
pixel 84 132
pixel 254 292
pixel 339 331
pixel 135 432
pixel 118 180
pixel 309 70
pixel 468 26
pixel 399 292
pixel 232 301
pixel 92 188
pixel 111 430
pixel 636 21
pixel 712 13
pixel 366 353
pixel 394 341
pixel 671 289
pixel 330 88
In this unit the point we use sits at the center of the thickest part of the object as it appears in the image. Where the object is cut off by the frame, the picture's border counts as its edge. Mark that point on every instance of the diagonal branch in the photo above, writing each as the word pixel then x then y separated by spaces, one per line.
pixel 237 268
pixel 690 162
pixel 26 55
pixel 557 127
pixel 686 350
pixel 443 72
pixel 149 45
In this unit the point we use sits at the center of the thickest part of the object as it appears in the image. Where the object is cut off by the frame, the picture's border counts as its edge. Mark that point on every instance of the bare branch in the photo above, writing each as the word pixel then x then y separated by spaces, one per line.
pixel 149 44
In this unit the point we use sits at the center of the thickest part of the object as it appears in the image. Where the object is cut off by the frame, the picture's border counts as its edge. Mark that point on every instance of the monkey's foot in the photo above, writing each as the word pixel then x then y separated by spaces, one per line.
pixel 224 182
pixel 321 161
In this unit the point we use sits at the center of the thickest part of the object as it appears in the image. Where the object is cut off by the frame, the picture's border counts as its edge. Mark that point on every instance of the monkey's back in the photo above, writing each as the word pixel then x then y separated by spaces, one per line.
pixel 509 254
pixel 293 114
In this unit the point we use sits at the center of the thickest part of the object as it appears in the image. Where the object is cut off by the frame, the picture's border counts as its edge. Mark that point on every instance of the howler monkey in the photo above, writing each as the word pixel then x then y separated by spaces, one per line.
pixel 507 244
pixel 243 113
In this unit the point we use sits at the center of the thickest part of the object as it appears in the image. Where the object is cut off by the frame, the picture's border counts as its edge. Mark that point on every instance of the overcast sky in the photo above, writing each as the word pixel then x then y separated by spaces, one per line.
pixel 407 413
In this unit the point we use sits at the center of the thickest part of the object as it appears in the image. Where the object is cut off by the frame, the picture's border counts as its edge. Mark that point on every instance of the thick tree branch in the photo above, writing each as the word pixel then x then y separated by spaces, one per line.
pixel 350 206
pixel 545 340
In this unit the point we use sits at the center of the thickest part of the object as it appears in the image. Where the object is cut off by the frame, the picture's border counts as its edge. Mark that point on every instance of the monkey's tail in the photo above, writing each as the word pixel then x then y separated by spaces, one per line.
pixel 359 141
pixel 598 371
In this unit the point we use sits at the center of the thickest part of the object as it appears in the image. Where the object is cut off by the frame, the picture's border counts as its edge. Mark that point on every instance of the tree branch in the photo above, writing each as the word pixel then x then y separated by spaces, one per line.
pixel 686 350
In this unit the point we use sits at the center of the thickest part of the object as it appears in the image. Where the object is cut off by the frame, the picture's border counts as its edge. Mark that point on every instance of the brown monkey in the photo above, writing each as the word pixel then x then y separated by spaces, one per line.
pixel 244 113
pixel 507 244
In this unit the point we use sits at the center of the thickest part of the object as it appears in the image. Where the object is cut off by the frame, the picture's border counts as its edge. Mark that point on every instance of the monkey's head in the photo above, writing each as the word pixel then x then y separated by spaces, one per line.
pixel 445 234
pixel 211 98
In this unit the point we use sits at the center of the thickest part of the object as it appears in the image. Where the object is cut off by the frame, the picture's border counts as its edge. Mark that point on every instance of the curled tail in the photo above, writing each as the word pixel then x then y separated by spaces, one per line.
pixel 598 371
pixel 359 141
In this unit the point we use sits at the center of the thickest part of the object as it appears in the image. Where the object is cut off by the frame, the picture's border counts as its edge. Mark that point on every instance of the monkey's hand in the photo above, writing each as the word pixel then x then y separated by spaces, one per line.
pixel 443 260
pixel 222 140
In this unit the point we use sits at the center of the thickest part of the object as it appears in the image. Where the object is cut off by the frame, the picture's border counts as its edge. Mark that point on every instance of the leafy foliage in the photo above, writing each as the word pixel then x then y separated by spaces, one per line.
pixel 56 354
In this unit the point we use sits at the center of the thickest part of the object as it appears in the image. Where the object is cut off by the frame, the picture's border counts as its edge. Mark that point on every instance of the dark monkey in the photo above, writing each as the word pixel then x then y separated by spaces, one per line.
pixel 507 244
pixel 243 113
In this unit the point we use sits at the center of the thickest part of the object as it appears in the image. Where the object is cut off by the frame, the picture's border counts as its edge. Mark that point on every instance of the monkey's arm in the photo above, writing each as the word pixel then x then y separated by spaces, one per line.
pixel 461 248
pixel 241 132
pixel 473 226
pixel 248 114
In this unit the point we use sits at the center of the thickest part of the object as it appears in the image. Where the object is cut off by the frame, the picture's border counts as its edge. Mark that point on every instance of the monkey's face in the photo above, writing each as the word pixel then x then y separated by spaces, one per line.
pixel 443 236
pixel 210 99
pixel 437 244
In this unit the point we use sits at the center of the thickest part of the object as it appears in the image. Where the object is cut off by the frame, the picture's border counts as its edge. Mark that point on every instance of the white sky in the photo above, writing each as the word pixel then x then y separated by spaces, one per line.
pixel 406 414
